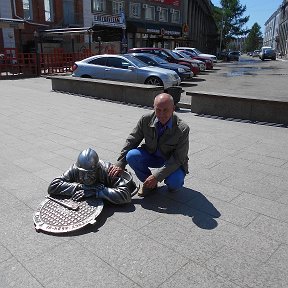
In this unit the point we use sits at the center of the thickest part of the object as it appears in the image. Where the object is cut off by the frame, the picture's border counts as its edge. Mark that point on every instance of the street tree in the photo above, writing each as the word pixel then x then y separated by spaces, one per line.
pixel 253 40
pixel 231 21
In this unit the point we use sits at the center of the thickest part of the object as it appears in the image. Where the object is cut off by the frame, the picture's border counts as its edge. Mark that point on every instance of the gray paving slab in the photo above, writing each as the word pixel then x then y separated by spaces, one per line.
pixel 145 261
pixel 271 228
pixel 226 228
pixel 194 275
pixel 71 265
pixel 13 274
pixel 264 206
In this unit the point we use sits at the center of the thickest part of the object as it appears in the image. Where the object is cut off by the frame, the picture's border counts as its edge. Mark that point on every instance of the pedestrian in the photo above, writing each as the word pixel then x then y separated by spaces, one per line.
pixel 165 147
pixel 88 177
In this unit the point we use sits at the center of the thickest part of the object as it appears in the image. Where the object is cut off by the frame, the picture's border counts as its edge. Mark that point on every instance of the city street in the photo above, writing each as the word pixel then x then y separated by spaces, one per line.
pixel 227 228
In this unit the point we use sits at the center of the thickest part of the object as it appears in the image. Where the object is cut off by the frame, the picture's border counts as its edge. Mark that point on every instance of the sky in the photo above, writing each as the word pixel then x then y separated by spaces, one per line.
pixel 258 10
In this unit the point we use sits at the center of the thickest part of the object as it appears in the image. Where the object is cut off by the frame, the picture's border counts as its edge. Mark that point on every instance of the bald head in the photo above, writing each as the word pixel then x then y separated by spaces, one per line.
pixel 164 98
pixel 163 107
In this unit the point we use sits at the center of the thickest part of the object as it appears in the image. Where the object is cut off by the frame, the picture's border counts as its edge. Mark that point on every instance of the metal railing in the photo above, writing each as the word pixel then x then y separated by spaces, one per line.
pixel 36 64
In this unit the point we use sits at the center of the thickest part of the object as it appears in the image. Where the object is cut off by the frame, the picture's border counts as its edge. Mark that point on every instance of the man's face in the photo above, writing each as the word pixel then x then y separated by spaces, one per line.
pixel 163 109
pixel 88 177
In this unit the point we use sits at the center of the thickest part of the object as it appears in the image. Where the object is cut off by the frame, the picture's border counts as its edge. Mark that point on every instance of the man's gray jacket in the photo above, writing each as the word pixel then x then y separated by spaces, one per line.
pixel 173 144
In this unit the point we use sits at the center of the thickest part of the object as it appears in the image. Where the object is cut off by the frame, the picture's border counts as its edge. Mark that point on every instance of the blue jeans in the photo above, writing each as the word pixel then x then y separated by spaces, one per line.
pixel 140 161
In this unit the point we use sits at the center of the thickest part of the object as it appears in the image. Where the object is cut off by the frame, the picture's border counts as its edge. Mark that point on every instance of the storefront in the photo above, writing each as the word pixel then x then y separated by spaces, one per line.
pixel 152 35
pixel 110 29
pixel 11 32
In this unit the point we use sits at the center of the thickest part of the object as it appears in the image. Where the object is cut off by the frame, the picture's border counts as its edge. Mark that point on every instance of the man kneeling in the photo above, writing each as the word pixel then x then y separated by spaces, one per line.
pixel 165 147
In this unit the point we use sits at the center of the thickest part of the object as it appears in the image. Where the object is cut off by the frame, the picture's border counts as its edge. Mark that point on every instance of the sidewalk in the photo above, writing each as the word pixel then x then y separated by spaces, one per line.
pixel 227 228
pixel 265 80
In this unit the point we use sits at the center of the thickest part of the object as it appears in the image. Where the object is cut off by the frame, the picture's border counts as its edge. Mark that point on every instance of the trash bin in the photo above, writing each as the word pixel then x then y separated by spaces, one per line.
pixel 175 92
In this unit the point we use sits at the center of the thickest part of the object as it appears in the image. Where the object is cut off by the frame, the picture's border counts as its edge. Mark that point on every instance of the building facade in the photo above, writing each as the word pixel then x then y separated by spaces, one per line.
pixel 73 25
pixel 276 30
pixel 21 21
pixel 153 23
pixel 282 39
pixel 271 30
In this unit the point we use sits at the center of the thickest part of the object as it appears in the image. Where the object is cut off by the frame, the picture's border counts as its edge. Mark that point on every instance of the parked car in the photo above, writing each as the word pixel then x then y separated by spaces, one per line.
pixel 255 53
pixel 167 55
pixel 124 68
pixel 267 53
pixel 183 71
pixel 199 53
pixel 231 55
pixel 208 61
pixel 200 64
pixel 2 61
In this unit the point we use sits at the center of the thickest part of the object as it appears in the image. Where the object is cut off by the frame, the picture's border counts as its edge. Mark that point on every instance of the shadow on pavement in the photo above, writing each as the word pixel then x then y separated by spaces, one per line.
pixel 185 202
pixel 197 79
pixel 187 84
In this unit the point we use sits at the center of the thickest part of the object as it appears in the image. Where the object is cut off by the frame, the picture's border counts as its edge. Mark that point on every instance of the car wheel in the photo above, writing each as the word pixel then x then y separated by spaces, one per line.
pixel 274 58
pixel 154 81
pixel 262 58
pixel 86 76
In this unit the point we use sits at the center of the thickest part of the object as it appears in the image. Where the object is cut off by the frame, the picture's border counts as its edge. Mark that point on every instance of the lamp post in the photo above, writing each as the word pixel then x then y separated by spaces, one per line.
pixel 36 36
pixel 221 31
pixel 90 32
pixel 99 44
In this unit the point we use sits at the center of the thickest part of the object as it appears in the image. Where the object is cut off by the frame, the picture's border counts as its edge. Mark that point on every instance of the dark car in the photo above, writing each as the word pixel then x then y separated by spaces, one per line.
pixel 208 61
pixel 230 55
pixel 255 53
pixel 267 53
pixel 167 55
pixel 200 64
pixel 183 71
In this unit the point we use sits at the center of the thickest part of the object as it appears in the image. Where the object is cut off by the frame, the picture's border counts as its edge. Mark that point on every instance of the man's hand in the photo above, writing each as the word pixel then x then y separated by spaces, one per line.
pixel 115 171
pixel 150 182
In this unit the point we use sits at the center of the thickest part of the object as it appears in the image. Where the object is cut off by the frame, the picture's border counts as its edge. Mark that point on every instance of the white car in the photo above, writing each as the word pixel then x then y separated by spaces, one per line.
pixel 198 53
pixel 125 68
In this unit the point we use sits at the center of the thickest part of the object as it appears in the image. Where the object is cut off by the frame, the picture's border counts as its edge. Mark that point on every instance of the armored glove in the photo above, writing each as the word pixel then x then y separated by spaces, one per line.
pixel 87 191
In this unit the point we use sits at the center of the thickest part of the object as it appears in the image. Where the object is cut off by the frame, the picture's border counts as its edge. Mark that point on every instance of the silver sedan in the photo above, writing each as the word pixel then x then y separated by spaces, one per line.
pixel 124 68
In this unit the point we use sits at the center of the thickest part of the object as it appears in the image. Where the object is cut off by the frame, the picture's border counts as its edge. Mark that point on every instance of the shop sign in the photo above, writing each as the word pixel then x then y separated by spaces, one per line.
pixel 163 32
pixel 7 23
pixel 109 20
pixel 175 3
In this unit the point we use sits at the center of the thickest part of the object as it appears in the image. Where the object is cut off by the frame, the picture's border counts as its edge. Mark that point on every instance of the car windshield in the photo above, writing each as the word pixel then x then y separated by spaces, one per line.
pixel 189 53
pixel 135 61
pixel 176 55
pixel 197 51
pixel 181 54
pixel 159 60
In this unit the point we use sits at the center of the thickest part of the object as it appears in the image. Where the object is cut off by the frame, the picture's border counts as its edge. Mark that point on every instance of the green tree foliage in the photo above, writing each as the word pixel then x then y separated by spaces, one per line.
pixel 230 20
pixel 254 37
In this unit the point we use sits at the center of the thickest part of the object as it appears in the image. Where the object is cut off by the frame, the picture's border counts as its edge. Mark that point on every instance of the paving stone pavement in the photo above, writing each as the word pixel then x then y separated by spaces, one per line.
pixel 227 227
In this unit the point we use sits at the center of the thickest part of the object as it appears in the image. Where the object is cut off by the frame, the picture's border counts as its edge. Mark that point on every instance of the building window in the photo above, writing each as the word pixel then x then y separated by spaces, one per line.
pixel 175 16
pixel 68 12
pixel 135 10
pixel 117 7
pixel 163 15
pixel 98 5
pixel 150 13
pixel 27 9
pixel 48 10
